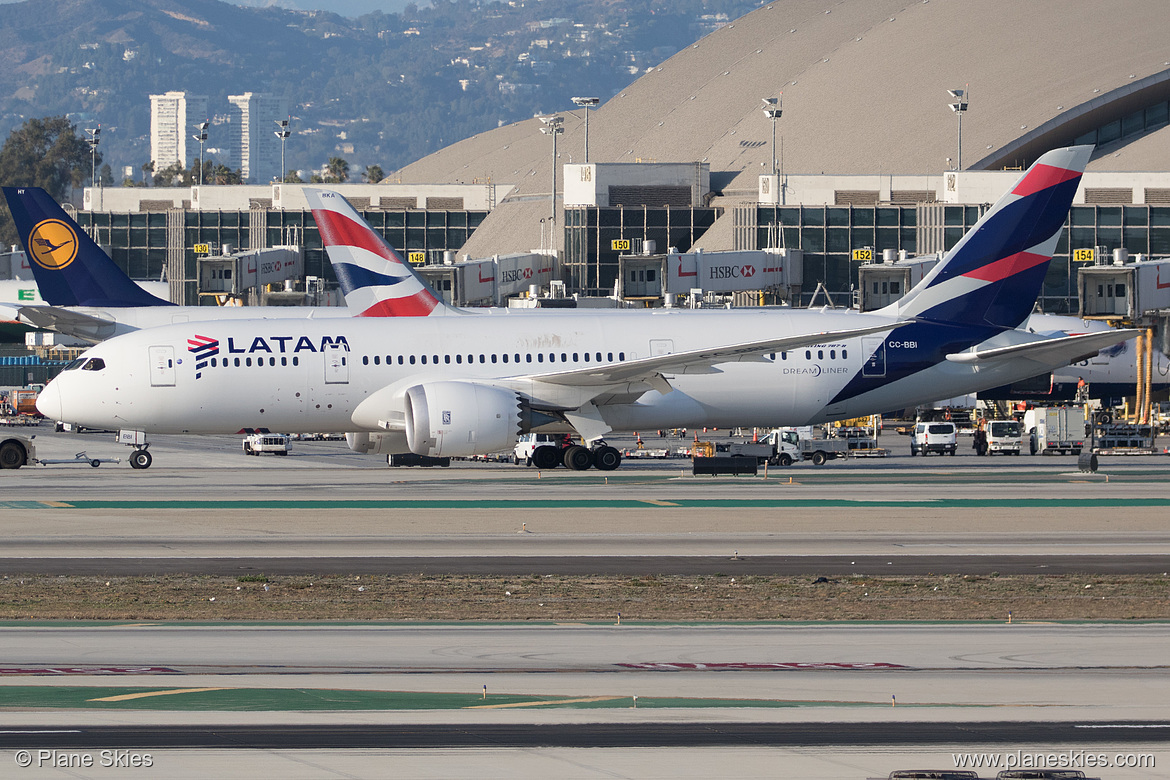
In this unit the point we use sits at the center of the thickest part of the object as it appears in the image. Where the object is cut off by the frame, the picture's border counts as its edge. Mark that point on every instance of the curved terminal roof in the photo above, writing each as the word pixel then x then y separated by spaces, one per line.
pixel 864 86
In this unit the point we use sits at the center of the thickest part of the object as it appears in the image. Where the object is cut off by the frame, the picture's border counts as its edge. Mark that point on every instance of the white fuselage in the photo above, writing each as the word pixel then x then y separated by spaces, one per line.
pixel 314 375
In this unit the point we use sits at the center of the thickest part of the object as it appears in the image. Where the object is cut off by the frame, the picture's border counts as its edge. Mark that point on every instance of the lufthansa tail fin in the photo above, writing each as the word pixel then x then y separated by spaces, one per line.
pixel 374 278
pixel 992 277
pixel 70 269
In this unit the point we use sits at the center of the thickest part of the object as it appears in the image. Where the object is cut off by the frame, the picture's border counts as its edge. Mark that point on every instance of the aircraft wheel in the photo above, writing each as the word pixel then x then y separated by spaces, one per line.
pixel 785 459
pixel 819 458
pixel 546 457
pixel 141 459
pixel 12 455
pixel 577 458
pixel 606 458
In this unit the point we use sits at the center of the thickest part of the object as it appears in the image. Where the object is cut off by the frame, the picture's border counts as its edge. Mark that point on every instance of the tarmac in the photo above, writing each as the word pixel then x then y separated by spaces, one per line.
pixel 714 700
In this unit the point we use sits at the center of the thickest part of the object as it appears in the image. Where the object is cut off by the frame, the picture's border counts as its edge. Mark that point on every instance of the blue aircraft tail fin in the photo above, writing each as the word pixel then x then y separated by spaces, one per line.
pixel 993 276
pixel 70 269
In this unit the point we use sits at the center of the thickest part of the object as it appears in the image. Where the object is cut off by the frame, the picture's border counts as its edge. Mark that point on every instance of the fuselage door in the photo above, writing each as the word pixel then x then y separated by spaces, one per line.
pixel 875 348
pixel 661 347
pixel 162 366
pixel 336 364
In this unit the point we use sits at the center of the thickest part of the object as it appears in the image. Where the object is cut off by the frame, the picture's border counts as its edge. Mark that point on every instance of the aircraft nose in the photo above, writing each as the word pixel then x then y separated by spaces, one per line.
pixel 49 401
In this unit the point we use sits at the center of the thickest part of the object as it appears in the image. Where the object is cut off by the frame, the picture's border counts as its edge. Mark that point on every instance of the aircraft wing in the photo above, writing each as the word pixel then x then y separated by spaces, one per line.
pixel 1062 350
pixel 649 369
pixel 71 323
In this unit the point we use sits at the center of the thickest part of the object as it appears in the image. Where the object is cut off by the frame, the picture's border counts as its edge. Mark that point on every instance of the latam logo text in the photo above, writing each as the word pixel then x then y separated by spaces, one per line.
pixel 732 271
pixel 280 345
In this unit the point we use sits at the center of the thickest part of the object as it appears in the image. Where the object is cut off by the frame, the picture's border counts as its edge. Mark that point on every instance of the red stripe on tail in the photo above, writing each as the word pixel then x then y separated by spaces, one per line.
pixel 1041 177
pixel 1002 269
pixel 418 305
pixel 339 230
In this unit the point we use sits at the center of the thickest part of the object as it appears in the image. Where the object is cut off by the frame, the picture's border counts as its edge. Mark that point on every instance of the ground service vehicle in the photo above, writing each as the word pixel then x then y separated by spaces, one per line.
pixel 791 446
pixel 1004 436
pixel 276 443
pixel 24 400
pixel 937 437
pixel 16 451
pixel 783 447
pixel 1055 430
pixel 527 443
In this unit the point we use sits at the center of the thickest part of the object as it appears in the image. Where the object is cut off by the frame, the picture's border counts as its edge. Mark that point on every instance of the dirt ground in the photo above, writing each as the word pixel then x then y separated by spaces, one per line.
pixel 560 598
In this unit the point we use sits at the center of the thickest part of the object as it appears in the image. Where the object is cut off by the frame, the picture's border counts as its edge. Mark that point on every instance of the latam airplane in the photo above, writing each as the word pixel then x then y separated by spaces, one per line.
pixel 92 299
pixel 463 385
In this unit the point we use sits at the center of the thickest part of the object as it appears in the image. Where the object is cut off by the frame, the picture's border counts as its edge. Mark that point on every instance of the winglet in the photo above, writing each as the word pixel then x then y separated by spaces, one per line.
pixel 374 278
pixel 70 269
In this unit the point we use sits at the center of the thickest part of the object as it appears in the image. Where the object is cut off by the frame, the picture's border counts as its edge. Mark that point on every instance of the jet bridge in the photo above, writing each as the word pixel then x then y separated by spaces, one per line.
pixel 234 275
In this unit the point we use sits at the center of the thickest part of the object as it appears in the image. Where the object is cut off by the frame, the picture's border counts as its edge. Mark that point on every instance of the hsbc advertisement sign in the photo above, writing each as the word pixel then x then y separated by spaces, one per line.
pixel 496 278
pixel 517 272
pixel 725 271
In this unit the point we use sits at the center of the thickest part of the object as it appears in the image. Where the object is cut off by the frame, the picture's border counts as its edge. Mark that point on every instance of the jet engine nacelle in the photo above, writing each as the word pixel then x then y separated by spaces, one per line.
pixel 377 443
pixel 459 419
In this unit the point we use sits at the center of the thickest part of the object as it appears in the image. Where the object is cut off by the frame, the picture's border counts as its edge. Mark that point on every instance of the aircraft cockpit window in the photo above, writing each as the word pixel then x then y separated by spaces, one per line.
pixel 72 364
pixel 94 364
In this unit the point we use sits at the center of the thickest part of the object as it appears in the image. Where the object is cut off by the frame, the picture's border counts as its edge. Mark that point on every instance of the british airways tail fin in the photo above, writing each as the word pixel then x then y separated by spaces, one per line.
pixel 374 278
pixel 993 276
pixel 70 269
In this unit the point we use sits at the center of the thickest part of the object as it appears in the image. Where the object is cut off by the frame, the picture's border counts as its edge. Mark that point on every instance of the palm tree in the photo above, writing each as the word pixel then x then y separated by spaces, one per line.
pixel 338 169
pixel 373 174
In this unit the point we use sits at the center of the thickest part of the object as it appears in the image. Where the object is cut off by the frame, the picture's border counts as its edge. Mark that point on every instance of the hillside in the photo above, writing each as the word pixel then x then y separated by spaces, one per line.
pixel 381 88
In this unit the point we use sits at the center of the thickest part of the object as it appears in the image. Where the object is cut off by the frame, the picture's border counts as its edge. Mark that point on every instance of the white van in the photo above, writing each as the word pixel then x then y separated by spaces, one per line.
pixel 528 442
pixel 937 437
pixel 277 443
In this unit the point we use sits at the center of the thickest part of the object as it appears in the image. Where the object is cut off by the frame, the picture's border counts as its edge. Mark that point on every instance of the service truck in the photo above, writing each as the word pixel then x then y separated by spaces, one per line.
pixel 1004 436
pixel 782 447
pixel 1055 430
pixel 276 443
pixel 16 451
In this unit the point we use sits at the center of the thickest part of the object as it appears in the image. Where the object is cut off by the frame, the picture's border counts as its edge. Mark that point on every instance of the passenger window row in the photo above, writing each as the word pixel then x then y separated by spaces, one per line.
pixel 237 362
pixel 515 357
pixel 808 354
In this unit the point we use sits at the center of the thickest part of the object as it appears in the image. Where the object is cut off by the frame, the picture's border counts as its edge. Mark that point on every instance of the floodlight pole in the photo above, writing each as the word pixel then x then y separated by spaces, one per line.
pixel 586 103
pixel 201 137
pixel 95 138
pixel 282 134
pixel 773 108
pixel 554 126
pixel 959 107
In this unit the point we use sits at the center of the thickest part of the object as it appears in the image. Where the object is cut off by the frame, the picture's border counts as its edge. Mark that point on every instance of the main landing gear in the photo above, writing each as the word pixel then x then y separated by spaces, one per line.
pixel 576 457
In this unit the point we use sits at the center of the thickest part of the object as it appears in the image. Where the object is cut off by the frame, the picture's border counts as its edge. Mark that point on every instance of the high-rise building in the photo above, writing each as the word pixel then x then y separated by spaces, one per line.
pixel 255 149
pixel 173 116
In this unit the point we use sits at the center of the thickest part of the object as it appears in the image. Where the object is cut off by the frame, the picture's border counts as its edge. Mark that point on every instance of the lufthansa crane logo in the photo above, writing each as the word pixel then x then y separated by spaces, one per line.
pixel 53 244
